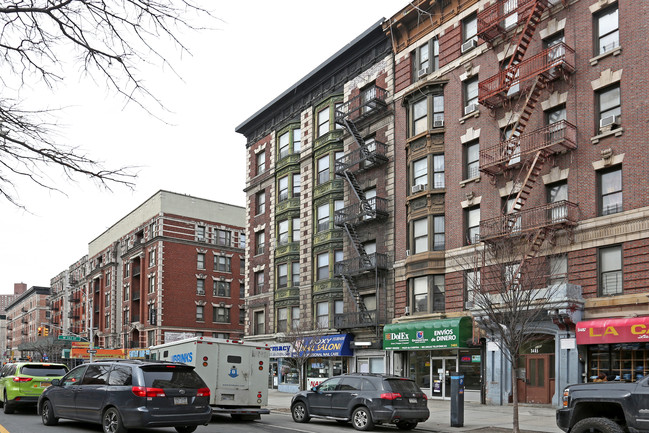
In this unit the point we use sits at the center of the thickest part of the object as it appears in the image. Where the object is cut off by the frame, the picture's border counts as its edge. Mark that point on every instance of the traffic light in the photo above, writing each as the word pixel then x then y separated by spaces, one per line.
pixel 46 331
pixel 40 331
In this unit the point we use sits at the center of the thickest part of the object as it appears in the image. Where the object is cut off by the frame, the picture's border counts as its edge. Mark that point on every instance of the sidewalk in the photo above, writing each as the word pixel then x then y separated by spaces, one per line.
pixel 477 417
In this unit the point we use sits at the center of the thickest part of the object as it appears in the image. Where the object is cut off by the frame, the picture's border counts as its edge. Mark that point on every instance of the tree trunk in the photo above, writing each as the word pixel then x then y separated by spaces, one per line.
pixel 515 420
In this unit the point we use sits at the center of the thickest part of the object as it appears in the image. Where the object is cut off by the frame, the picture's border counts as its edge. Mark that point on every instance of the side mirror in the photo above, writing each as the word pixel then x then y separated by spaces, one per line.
pixel 314 389
pixel 56 382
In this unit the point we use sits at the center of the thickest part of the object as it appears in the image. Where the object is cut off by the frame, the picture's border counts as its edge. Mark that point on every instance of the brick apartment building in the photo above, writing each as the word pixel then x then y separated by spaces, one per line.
pixel 172 267
pixel 501 118
pixel 24 315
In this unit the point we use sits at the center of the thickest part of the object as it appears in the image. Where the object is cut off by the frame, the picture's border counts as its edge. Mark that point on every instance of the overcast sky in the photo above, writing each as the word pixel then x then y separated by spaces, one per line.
pixel 260 49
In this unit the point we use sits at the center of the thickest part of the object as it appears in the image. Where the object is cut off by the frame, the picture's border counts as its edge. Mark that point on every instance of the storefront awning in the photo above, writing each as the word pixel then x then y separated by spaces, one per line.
pixel 429 334
pixel 606 331
pixel 328 345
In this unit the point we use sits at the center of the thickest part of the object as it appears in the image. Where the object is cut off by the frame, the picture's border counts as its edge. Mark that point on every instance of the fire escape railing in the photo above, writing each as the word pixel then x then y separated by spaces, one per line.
pixel 357 213
pixel 368 102
pixel 373 155
pixel 358 265
pixel 491 20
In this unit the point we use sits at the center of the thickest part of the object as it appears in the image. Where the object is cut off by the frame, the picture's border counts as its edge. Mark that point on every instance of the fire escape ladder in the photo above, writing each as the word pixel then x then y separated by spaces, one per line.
pixel 365 260
pixel 530 179
pixel 365 207
pixel 351 127
pixel 530 103
pixel 527 34
pixel 356 296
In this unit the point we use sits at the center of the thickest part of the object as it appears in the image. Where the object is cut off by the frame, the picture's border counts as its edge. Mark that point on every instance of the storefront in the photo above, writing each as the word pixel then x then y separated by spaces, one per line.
pixel 618 348
pixel 430 351
pixel 329 356
pixel 283 371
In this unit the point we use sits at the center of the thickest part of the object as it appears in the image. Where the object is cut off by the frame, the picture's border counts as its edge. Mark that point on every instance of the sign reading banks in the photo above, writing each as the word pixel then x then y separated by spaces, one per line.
pixel 428 334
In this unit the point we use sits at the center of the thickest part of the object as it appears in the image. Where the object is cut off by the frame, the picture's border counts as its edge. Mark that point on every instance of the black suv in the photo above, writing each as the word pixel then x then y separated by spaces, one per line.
pixel 365 399
pixel 122 394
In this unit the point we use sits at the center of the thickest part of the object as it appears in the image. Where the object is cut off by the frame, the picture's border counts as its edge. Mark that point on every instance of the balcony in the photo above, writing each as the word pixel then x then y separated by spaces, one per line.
pixel 358 319
pixel 356 213
pixel 369 102
pixel 562 214
pixel 554 138
pixel 359 265
pixel 550 64
pixel 362 159
pixel 504 15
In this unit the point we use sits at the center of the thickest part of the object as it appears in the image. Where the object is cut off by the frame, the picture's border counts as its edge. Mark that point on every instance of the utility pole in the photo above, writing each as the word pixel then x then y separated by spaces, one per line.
pixel 91 340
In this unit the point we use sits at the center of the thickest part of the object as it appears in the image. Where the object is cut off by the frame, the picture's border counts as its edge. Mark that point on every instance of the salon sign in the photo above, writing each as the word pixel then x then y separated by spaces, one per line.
pixel 607 331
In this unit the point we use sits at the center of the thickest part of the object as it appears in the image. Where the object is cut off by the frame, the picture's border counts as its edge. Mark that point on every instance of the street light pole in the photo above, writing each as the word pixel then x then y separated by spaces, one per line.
pixel 91 340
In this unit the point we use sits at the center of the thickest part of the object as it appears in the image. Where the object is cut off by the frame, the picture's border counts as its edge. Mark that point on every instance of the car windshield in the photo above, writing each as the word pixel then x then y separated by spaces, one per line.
pixel 403 385
pixel 172 377
pixel 43 370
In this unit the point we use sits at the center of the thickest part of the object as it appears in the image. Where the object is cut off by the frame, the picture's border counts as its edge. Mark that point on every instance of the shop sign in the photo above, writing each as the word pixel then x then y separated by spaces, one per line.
pixel 326 345
pixel 280 350
pixel 430 334
pixel 607 331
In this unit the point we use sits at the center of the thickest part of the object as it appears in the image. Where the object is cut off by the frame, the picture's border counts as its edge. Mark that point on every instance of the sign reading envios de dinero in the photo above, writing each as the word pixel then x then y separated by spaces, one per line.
pixel 429 334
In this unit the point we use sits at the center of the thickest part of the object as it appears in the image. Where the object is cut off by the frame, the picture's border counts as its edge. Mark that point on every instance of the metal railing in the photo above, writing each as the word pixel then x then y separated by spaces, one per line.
pixel 368 102
pixel 357 212
pixel 492 18
pixel 359 265
pixel 374 155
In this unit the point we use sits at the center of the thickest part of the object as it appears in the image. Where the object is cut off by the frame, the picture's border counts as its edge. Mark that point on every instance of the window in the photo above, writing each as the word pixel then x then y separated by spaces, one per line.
pixel 323 266
pixel 608 102
pixel 223 237
pixel 220 314
pixel 323 170
pixel 558 269
pixel 420 235
pixel 242 316
pixel 296 186
pixel 557 43
pixel 420 117
pixel 282 189
pixel 438 172
pixel 420 172
pixel 282 275
pixel 242 241
pixel 127 291
pixel 296 230
pixel 610 188
pixel 220 335
pixel 338 109
pixel 200 261
pixel 153 315
pixel 282 319
pixel 200 233
pixel 470 28
pixel 282 232
pixel 323 217
pixel 323 122
pixel 221 289
pixel 513 222
pixel 297 140
pixel 608 32
pixel 259 282
pixel 338 257
pixel 557 193
pixel 259 323
pixel 610 270
pixel 428 294
pixel 439 233
pixel 470 87
pixel 439 293
pixel 200 286
pixel 200 310
pixel 260 238
pixel 367 96
pixel 152 284
pixel 370 196
pixel 295 274
pixel 295 317
pixel 555 114
pixel 471 160
pixel 427 58
pixel 283 145
pixel 261 162
pixel 322 314
pixel 222 264
pixel 438 111
pixel 472 223
pixel 261 202
pixel 420 294
pixel 510 13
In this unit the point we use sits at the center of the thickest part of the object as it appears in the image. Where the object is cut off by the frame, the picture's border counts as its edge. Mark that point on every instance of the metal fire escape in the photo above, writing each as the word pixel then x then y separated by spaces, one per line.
pixel 524 152
pixel 357 271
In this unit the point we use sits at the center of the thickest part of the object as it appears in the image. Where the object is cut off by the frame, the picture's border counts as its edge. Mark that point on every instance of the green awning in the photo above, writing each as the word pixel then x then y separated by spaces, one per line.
pixel 428 334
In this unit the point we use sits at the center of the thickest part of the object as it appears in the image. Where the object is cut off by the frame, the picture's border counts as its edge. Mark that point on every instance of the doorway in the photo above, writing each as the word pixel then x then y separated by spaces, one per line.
pixel 440 372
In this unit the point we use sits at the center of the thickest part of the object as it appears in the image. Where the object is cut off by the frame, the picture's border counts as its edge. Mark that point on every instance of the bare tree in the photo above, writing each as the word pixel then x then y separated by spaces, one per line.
pixel 510 289
pixel 107 41
pixel 304 343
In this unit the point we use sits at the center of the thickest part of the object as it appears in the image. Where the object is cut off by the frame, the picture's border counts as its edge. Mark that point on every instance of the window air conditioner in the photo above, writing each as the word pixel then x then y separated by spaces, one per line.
pixel 609 121
pixel 470 108
pixel 422 72
pixel 407 255
pixel 417 188
pixel 407 311
pixel 469 45
pixel 438 123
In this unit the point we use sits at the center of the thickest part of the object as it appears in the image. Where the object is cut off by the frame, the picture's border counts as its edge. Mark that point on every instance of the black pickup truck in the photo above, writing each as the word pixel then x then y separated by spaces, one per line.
pixel 605 407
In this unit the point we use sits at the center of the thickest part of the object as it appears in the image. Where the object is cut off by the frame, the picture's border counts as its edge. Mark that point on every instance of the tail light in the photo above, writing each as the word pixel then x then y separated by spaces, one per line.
pixel 203 392
pixel 142 391
pixel 22 379
pixel 390 395
pixel 424 396
pixel 566 397
pixel 261 365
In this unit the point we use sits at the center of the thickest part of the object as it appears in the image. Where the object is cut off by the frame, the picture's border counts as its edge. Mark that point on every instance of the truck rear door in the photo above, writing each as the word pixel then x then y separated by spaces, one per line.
pixel 234 367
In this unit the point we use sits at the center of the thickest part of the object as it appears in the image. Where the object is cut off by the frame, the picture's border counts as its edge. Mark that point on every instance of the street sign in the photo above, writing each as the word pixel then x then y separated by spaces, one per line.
pixel 70 338
pixel 92 351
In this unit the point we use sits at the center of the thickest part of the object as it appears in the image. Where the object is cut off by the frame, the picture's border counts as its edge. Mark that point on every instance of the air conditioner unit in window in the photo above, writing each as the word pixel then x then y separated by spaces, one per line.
pixel 469 45
pixel 422 72
pixel 609 121
pixel 470 108
pixel 407 311
pixel 438 123
pixel 417 188
pixel 407 253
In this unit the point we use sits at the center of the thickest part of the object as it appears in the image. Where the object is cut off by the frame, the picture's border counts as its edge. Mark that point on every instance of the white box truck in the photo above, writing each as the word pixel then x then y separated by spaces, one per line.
pixel 236 372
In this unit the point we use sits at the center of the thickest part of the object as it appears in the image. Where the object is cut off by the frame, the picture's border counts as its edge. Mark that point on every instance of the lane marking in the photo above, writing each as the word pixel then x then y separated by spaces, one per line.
pixel 3 430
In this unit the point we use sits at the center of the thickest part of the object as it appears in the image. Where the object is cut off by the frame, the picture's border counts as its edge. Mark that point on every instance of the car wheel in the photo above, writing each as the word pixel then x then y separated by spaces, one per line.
pixel 112 421
pixel 7 407
pixel 300 412
pixel 362 419
pixel 406 425
pixel 186 428
pixel 597 425
pixel 47 413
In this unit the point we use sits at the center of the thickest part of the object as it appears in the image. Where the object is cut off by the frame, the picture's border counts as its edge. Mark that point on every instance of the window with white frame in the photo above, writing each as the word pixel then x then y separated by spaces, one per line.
pixel 282 232
pixel 438 172
pixel 323 217
pixel 470 28
pixel 323 170
pixel 282 189
pixel 295 317
pixel 295 274
pixel 322 315
pixel 610 270
pixel 322 260
pixel 296 185
pixel 297 140
pixel 261 162
pixel 200 286
pixel 420 235
pixel 420 172
pixel 282 275
pixel 472 224
pixel 284 141
pixel 261 202
pixel 323 121
pixel 260 241
pixel 200 261
pixel 295 222
pixel 282 319
pixel 200 313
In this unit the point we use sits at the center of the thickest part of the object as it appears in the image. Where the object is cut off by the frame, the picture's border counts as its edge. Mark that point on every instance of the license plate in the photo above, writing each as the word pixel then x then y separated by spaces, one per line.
pixel 180 400
pixel 412 400
pixel 45 384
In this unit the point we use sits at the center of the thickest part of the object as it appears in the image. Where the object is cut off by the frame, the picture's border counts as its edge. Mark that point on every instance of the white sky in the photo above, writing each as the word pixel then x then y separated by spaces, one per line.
pixel 261 48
